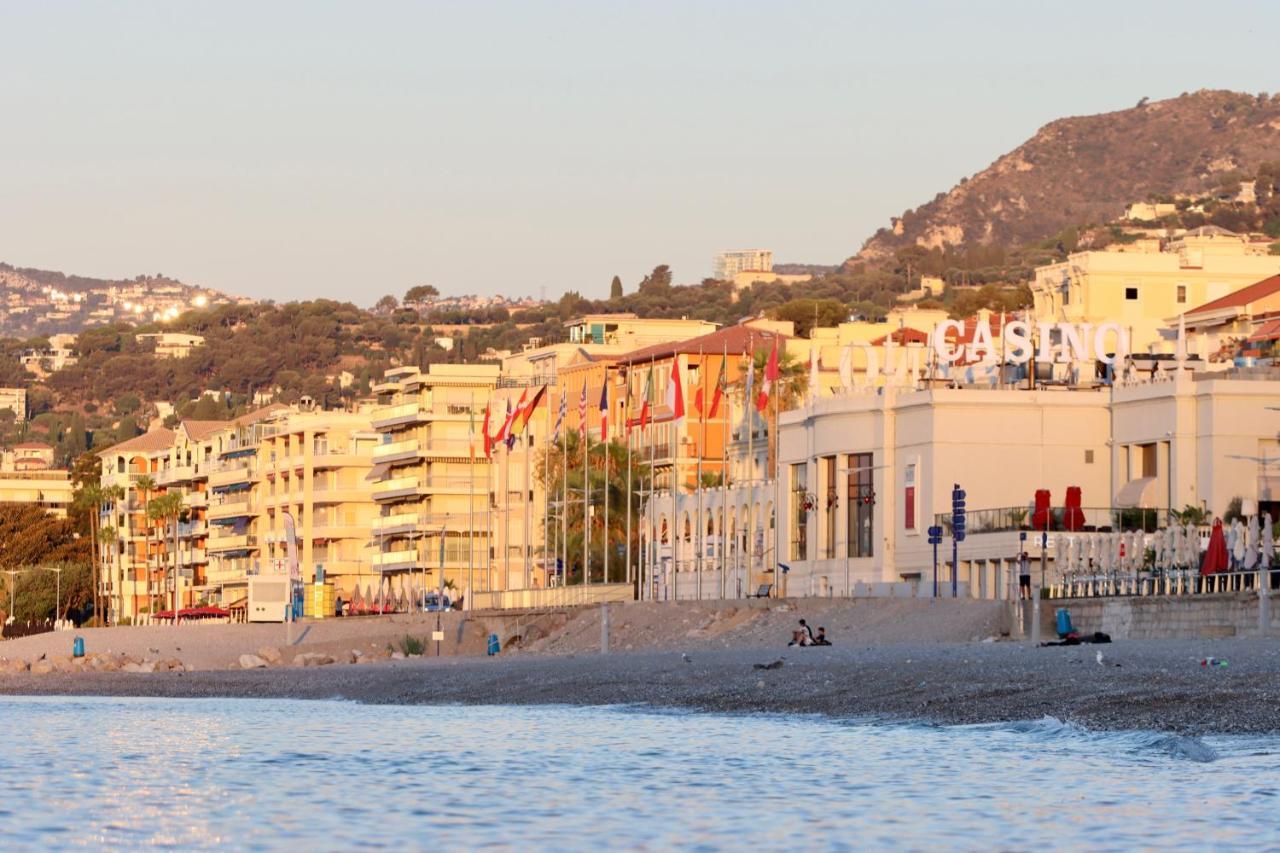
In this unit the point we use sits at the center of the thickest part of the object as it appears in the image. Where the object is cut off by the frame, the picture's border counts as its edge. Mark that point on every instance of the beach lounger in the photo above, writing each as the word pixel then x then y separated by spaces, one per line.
pixel 763 591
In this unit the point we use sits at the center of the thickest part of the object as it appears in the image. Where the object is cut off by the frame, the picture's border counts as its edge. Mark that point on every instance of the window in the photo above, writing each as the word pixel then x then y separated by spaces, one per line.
pixel 860 506
pixel 1182 294
pixel 799 511
pixel 1131 294
pixel 1148 459
pixel 830 505
pixel 1088 457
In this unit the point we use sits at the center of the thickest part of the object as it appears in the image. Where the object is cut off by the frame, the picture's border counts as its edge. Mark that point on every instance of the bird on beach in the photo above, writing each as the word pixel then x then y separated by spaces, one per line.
pixel 684 657
pixel 1099 658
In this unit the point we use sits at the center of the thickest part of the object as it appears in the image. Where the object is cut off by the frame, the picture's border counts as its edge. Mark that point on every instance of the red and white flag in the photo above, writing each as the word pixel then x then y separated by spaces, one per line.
pixel 770 377
pixel 675 392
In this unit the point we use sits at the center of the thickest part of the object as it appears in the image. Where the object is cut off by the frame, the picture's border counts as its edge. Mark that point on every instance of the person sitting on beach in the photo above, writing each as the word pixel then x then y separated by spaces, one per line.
pixel 821 639
pixel 802 636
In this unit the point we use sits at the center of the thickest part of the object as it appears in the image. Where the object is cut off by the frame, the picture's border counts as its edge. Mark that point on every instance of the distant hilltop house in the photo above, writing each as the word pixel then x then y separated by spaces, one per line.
pixel 931 287
pixel 1145 211
pixel 28 456
pixel 173 344
pixel 61 353
pixel 15 400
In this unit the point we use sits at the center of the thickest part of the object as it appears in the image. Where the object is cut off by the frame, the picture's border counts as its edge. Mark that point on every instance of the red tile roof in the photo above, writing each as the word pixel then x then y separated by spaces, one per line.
pixel 735 339
pixel 1243 296
pixel 200 430
pixel 157 439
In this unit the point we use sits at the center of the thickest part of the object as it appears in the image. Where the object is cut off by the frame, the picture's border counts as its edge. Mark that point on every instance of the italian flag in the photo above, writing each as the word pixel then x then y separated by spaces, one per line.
pixel 675 392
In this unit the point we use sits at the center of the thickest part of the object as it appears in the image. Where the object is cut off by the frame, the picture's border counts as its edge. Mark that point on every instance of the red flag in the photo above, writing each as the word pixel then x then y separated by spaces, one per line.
pixel 697 401
pixel 717 394
pixel 484 428
pixel 675 392
pixel 771 374
pixel 529 409
pixel 506 425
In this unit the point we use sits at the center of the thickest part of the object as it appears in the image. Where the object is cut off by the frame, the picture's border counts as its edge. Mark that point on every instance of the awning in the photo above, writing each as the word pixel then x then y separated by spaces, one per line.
pixel 377 472
pixel 233 487
pixel 1135 493
pixel 1270 331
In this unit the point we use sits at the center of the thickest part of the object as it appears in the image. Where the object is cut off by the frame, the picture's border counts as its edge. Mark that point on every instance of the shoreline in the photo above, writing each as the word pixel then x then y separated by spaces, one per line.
pixel 1153 685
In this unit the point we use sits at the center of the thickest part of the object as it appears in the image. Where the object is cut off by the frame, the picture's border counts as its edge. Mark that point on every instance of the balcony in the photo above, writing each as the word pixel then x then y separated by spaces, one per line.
pixel 231 508
pixel 396 488
pixel 232 473
pixel 1088 520
pixel 196 500
pixel 393 416
pixel 337 457
pixel 397 451
pixel 180 474
pixel 243 542
pixel 194 529
pixel 403 559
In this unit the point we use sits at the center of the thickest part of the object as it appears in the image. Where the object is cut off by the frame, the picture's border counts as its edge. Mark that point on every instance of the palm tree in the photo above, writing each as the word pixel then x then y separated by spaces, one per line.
pixel 107 537
pixel 114 495
pixel 90 499
pixel 146 485
pixel 163 509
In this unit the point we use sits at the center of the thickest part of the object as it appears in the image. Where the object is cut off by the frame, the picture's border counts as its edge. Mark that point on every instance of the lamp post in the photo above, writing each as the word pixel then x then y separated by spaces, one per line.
pixel 13 593
pixel 57 595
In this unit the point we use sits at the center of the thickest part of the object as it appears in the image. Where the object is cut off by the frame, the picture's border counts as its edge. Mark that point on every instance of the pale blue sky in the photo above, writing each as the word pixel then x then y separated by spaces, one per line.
pixel 299 149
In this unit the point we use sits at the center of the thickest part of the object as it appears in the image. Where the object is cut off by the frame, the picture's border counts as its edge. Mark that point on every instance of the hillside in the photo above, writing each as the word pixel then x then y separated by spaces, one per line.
pixel 1086 169
pixel 36 302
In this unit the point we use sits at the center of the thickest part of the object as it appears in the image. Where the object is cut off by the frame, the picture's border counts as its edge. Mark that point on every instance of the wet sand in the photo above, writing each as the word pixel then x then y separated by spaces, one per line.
pixel 1156 685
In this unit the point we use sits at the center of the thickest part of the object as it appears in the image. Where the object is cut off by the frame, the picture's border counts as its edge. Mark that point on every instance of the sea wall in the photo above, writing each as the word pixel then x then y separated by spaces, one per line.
pixel 1161 618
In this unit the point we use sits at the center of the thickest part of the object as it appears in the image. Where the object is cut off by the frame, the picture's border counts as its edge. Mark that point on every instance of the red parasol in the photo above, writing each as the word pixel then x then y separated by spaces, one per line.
pixel 1215 559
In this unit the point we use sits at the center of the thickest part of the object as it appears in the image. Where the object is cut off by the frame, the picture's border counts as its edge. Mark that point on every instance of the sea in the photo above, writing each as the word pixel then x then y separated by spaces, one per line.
pixel 266 774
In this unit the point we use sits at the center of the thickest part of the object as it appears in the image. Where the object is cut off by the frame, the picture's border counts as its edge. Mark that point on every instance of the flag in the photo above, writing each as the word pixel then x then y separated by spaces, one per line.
pixel 564 404
pixel 697 401
pixel 648 394
pixel 675 392
pixel 604 410
pixel 501 435
pixel 750 356
pixel 488 442
pixel 582 411
pixel 531 408
pixel 471 434
pixel 718 393
pixel 770 377
pixel 518 418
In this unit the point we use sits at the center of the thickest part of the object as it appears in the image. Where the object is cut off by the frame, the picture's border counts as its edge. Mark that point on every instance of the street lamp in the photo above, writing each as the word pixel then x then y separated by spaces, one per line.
pixel 13 593
pixel 57 596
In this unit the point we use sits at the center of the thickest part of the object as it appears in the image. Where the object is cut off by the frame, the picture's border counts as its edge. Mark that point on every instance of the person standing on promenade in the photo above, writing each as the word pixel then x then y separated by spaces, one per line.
pixel 1024 576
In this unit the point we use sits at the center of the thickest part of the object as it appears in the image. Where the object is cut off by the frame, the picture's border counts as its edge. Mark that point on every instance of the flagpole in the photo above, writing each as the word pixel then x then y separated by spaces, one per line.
pixel 564 492
pixel 488 520
pixel 471 509
pixel 626 419
pixel 526 550
pixel 546 503
pixel 506 514
pixel 777 487
pixel 724 469
pixel 586 498
pixel 700 533
pixel 674 450
pixel 749 407
pixel 604 452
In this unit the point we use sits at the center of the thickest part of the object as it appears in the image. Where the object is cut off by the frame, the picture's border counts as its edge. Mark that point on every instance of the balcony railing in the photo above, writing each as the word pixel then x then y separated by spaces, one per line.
pixel 1088 520
pixel 406 449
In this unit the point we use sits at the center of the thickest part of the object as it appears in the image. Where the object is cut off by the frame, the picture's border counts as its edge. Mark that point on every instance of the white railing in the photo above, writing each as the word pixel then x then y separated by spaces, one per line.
pixel 577 595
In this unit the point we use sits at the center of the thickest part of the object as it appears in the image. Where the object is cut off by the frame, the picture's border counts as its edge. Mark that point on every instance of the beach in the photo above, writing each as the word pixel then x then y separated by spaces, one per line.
pixel 1158 685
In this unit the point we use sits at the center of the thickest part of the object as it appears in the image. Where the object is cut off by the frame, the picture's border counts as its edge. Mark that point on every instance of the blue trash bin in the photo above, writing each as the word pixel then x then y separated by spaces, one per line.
pixel 1063 617
pixel 494 645
pixel 77 647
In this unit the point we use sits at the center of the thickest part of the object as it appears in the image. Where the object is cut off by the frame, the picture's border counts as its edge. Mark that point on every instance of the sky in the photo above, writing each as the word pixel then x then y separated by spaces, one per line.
pixel 294 150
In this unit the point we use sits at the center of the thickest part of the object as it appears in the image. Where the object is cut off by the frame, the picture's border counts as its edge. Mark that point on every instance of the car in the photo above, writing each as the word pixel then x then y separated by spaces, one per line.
pixel 433 603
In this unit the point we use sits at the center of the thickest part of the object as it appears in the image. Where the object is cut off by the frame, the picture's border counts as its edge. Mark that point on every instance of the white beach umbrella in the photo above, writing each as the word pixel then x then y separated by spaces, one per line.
pixel 1077 544
pixel 1252 533
pixel 1236 544
pixel 1059 552
pixel 1268 543
pixel 1192 556
pixel 1177 545
pixel 1159 541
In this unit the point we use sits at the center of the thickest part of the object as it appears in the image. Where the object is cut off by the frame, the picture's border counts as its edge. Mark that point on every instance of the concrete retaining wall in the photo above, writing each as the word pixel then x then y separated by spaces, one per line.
pixel 1152 618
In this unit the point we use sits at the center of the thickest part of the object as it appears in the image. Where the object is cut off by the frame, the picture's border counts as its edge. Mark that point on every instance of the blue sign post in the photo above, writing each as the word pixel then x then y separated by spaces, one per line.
pixel 957 535
pixel 935 539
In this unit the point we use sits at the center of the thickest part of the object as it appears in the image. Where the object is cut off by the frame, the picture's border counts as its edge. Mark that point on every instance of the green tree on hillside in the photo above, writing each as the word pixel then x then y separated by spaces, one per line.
pixel 615 289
